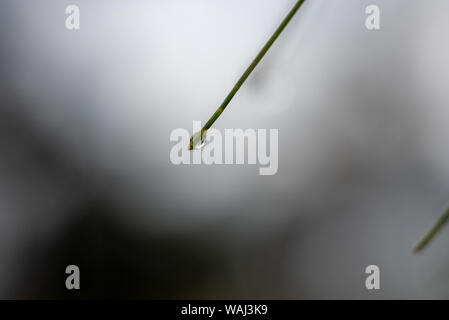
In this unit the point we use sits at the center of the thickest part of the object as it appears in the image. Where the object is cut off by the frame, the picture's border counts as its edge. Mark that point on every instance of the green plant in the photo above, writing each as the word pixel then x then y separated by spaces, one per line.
pixel 436 227
pixel 199 136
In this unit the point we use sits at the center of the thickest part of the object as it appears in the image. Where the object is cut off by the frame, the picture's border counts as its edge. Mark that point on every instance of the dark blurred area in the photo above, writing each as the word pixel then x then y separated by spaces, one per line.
pixel 117 260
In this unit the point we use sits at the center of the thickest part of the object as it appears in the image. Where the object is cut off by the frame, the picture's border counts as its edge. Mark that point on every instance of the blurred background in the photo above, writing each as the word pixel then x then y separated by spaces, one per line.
pixel 86 177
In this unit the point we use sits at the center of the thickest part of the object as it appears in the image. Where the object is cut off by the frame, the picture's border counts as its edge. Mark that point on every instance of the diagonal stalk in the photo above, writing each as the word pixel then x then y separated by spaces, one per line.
pixel 199 135
pixel 432 232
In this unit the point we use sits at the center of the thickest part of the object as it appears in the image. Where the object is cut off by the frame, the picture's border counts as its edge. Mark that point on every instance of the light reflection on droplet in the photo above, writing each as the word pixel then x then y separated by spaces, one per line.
pixel 200 142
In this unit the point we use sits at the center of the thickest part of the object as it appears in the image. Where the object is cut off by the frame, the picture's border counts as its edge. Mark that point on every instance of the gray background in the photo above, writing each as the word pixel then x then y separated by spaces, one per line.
pixel 86 179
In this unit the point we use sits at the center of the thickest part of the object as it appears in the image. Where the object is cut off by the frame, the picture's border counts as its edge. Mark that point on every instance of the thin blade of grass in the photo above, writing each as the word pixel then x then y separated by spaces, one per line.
pixel 442 220
pixel 245 75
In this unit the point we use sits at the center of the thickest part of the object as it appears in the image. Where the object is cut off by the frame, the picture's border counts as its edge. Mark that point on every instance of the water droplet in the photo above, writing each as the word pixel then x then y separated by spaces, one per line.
pixel 198 141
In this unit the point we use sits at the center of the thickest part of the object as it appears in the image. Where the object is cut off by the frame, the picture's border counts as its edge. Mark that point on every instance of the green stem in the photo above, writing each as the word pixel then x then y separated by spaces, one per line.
pixel 266 47
pixel 432 232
